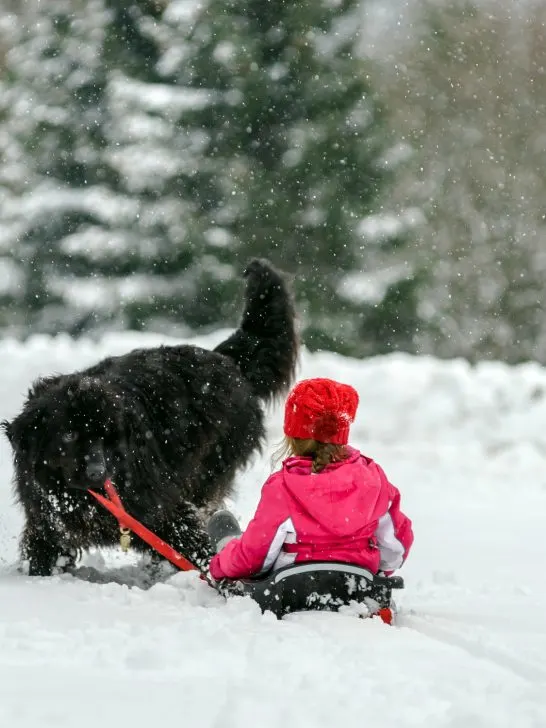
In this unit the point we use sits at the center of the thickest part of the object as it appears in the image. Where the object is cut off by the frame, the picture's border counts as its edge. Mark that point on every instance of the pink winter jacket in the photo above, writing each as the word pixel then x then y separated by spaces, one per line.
pixel 349 512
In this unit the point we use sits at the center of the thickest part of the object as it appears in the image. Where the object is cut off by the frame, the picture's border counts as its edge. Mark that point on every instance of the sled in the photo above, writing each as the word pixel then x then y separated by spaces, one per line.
pixel 312 586
pixel 319 586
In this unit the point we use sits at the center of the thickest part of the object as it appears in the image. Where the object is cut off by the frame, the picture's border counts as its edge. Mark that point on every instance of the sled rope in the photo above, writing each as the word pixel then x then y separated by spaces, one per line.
pixel 127 524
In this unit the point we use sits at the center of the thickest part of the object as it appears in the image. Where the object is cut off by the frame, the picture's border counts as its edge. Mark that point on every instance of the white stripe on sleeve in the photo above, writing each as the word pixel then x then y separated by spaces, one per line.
pixel 283 531
pixel 390 548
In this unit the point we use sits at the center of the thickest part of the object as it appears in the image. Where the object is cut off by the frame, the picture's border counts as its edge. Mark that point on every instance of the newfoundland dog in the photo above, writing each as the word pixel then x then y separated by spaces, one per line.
pixel 169 425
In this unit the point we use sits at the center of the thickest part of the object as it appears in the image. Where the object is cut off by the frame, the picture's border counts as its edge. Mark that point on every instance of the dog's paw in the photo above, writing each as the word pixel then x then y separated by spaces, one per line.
pixel 66 562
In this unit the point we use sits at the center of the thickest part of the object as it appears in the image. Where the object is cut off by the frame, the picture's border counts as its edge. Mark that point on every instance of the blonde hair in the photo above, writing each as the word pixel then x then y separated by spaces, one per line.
pixel 323 453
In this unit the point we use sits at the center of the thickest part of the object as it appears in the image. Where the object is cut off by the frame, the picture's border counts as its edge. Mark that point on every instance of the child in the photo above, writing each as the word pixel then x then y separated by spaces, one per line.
pixel 327 503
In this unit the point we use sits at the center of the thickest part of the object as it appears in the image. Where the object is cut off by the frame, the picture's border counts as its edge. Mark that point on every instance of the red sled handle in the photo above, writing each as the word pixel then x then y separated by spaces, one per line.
pixel 114 505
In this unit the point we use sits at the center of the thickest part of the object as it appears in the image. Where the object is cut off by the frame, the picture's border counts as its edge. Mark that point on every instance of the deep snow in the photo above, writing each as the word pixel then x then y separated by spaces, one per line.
pixel 467 448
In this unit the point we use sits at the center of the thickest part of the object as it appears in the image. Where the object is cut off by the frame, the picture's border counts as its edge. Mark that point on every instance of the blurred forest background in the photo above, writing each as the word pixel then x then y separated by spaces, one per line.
pixel 393 159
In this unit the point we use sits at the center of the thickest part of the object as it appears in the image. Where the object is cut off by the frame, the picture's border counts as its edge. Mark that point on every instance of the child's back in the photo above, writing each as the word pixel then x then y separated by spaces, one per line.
pixel 346 512
pixel 327 503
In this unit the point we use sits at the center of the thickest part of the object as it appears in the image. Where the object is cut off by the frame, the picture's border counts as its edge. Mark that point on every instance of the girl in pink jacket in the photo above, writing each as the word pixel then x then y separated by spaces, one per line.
pixel 328 502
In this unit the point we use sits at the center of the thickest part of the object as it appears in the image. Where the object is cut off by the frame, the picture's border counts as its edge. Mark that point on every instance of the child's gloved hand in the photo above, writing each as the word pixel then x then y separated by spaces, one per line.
pixel 207 576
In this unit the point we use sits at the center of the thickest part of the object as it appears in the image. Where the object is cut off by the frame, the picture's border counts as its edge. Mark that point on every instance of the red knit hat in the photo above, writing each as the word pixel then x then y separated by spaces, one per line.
pixel 320 409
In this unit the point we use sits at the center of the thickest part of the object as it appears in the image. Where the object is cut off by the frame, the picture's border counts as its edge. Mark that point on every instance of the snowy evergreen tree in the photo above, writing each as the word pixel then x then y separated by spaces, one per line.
pixel 87 131
pixel 154 146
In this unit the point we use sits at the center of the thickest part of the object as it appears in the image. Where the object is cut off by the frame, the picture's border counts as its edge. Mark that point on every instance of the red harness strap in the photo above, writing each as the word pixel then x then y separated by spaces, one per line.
pixel 115 506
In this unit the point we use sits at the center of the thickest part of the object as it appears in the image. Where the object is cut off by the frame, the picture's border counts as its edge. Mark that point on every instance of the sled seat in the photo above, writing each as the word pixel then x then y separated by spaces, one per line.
pixel 318 586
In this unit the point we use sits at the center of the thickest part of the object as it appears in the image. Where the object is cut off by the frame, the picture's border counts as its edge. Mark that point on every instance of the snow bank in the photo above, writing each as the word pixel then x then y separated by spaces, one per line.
pixel 402 396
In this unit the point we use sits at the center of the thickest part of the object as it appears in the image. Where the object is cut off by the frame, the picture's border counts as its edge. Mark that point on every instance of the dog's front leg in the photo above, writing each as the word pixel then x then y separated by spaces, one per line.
pixel 186 533
pixel 41 548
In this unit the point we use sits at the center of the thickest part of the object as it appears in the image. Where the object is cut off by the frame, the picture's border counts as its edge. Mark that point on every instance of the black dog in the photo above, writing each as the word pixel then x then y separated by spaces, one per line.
pixel 169 425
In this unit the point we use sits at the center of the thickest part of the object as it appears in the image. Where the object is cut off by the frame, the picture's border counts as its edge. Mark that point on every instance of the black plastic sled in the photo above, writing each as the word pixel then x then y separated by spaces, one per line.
pixel 317 586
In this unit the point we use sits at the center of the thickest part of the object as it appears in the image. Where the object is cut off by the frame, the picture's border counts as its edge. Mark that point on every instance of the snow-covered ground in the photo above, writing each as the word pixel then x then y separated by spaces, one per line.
pixel 467 448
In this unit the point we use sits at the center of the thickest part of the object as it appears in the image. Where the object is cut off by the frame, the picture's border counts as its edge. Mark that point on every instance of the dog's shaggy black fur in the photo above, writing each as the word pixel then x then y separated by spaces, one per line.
pixel 169 425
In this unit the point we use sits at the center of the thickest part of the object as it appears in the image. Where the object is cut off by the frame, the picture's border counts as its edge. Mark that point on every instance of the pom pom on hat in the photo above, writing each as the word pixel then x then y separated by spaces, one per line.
pixel 320 409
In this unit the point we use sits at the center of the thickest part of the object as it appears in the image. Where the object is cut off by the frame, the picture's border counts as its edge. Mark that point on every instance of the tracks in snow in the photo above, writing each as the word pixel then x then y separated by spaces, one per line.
pixel 442 630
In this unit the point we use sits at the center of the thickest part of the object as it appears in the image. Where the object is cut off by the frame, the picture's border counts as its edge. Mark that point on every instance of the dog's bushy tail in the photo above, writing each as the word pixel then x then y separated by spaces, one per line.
pixel 265 346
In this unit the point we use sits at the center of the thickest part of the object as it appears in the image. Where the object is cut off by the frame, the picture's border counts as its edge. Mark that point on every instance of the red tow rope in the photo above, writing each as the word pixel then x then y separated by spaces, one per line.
pixel 115 506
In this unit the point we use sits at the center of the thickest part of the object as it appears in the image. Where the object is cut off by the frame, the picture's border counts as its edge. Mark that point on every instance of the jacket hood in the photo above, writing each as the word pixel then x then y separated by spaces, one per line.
pixel 341 497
